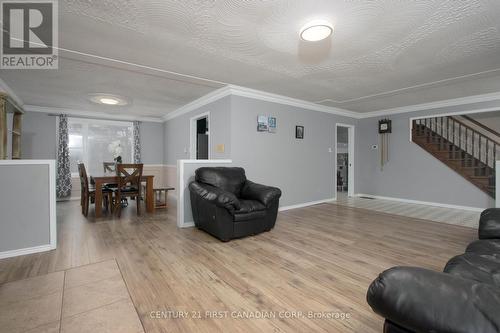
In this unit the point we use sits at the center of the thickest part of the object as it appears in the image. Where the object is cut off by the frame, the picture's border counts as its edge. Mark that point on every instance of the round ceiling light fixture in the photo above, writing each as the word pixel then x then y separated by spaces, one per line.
pixel 315 31
pixel 108 99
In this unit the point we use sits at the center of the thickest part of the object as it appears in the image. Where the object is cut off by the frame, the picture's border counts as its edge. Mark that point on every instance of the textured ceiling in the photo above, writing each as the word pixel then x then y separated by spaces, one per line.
pixel 383 54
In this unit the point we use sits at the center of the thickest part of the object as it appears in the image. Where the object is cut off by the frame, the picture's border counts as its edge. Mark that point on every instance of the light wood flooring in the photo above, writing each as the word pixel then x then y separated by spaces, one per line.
pixel 319 259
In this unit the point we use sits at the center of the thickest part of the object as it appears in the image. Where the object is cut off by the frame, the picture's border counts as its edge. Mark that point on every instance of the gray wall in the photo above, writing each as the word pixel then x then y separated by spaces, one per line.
pixel 152 143
pixel 412 173
pixel 176 132
pixel 39 138
pixel 303 169
pixel 24 186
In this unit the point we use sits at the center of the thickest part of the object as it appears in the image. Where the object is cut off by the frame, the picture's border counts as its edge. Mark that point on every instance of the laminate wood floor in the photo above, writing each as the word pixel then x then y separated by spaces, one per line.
pixel 318 261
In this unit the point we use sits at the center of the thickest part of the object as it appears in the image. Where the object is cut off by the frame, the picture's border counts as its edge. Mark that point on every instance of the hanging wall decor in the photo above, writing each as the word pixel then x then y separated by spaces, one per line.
pixel 384 128
pixel 272 124
pixel 299 132
pixel 262 123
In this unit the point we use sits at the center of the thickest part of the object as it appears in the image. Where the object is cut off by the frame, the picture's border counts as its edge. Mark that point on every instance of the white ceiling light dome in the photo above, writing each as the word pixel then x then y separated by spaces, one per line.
pixel 316 31
pixel 108 99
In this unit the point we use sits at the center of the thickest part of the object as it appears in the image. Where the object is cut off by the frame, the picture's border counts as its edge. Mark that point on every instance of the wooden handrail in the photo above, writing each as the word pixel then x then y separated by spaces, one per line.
pixel 483 150
pixel 492 131
pixel 475 131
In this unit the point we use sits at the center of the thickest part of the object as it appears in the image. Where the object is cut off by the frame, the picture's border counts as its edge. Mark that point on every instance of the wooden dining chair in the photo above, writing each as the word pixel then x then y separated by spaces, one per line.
pixel 109 167
pixel 129 185
pixel 88 193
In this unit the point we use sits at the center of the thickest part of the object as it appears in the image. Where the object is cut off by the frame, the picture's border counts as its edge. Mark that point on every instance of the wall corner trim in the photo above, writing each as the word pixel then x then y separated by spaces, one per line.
pixel 425 203
pixel 435 105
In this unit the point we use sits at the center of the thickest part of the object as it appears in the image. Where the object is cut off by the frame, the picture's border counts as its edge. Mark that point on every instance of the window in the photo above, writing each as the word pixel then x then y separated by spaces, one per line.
pixel 95 141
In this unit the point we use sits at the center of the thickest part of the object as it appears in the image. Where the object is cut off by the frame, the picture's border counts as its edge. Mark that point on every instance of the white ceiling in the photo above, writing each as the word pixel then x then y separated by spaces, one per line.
pixel 384 54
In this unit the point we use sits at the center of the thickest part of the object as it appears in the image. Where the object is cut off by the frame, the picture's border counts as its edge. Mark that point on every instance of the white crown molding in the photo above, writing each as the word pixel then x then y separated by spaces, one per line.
pixel 258 95
pixel 89 114
pixel 197 103
pixel 5 88
pixel 280 99
pixel 434 105
pixel 391 92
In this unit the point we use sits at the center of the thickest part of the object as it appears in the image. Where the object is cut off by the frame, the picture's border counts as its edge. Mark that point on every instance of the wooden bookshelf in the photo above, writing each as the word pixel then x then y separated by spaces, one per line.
pixel 7 105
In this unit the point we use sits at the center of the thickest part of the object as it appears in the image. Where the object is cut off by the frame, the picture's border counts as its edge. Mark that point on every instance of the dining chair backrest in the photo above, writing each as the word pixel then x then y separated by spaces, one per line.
pixel 129 175
pixel 109 167
pixel 84 180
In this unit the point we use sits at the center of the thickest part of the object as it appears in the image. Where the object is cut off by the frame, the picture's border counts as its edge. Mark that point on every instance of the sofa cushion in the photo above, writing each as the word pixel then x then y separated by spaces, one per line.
pixel 227 179
pixel 260 214
pixel 483 268
pixel 489 224
pixel 248 206
pixel 250 209
pixel 487 246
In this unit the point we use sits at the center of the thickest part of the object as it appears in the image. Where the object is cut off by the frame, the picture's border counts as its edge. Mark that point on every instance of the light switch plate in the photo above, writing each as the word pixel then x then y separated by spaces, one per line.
pixel 220 148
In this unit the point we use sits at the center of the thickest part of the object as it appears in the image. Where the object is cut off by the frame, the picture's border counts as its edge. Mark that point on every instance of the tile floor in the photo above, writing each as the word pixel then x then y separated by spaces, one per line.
pixel 91 298
pixel 438 214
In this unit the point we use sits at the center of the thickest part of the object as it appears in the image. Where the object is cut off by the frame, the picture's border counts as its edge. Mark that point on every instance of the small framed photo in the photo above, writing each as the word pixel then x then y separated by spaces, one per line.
pixel 262 123
pixel 272 124
pixel 299 132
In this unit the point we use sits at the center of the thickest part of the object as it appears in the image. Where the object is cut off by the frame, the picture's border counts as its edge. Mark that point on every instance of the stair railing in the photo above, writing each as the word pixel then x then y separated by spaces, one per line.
pixel 460 135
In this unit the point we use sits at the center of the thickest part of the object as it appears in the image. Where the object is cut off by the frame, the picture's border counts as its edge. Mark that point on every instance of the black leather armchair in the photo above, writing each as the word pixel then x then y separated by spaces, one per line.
pixel 227 205
pixel 464 298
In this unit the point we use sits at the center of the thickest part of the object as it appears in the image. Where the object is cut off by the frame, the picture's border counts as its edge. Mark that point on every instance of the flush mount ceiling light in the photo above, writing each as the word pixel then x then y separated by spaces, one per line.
pixel 315 31
pixel 108 99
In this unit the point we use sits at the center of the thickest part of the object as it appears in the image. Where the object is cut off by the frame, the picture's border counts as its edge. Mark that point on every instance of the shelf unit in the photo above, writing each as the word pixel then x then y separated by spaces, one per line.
pixel 7 105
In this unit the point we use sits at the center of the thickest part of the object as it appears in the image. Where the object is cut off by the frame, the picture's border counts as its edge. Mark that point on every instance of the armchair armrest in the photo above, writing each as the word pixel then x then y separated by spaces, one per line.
pixel 421 300
pixel 262 193
pixel 489 224
pixel 215 195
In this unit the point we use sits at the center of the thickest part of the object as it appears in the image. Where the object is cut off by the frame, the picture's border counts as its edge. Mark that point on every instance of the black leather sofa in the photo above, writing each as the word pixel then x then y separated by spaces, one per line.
pixel 464 298
pixel 227 205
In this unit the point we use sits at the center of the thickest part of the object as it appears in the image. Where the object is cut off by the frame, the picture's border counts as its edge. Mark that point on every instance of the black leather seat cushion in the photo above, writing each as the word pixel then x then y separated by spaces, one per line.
pixel 129 189
pixel 227 179
pixel 483 268
pixel 487 246
pixel 248 206
pixel 250 209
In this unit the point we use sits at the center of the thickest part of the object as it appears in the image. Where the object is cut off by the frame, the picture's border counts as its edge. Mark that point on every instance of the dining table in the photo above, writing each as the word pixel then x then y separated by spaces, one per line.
pixel 100 180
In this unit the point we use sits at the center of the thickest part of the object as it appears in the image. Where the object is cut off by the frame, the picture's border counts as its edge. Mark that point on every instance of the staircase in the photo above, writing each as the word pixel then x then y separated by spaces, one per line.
pixel 461 147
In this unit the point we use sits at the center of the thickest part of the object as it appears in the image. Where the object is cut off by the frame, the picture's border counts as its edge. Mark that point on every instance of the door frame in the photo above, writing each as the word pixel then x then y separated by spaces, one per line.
pixel 350 151
pixel 193 134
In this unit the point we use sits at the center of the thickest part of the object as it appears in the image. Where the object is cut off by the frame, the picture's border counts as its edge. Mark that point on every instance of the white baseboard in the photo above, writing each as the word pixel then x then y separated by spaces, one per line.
pixel 187 224
pixel 426 203
pixel 306 204
pixel 28 250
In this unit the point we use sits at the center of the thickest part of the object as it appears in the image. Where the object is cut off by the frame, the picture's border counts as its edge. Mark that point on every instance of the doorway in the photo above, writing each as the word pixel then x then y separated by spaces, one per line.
pixel 344 160
pixel 200 137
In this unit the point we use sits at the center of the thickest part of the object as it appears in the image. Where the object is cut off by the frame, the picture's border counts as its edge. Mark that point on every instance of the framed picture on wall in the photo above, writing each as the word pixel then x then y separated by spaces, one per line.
pixel 299 132
pixel 262 123
pixel 272 124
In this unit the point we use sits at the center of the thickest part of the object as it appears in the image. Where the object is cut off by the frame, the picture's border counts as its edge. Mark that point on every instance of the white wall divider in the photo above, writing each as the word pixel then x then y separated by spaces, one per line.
pixel 497 184
pixel 185 175
pixel 28 207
